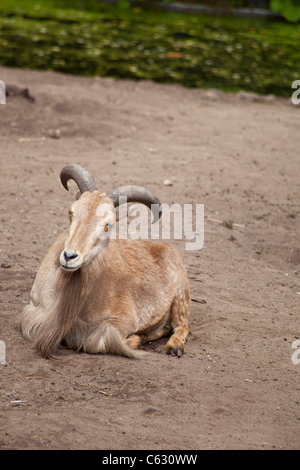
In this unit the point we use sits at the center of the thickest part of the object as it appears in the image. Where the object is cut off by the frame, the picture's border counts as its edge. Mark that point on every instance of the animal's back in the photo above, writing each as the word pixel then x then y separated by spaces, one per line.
pixel 146 263
pixel 147 276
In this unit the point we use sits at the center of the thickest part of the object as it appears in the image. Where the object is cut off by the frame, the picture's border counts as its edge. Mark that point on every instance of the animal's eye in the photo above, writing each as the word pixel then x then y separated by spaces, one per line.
pixel 107 227
pixel 70 213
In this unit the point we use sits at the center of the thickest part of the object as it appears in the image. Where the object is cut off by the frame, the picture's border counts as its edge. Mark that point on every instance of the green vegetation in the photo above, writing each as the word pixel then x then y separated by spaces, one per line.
pixel 290 9
pixel 91 38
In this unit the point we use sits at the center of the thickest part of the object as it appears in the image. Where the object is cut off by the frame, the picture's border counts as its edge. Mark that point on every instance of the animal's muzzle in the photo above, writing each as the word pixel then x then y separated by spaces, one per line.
pixel 68 255
pixel 70 260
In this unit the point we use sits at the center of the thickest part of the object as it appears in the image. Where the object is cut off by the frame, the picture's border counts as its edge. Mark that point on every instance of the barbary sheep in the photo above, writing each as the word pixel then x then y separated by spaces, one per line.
pixel 100 295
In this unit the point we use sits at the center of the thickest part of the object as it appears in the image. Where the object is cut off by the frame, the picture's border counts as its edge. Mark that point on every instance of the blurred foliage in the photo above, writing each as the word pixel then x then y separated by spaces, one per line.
pixel 91 38
pixel 215 3
pixel 290 9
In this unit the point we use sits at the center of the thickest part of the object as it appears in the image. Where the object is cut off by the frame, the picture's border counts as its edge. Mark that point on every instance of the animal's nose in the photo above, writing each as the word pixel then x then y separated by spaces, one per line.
pixel 68 255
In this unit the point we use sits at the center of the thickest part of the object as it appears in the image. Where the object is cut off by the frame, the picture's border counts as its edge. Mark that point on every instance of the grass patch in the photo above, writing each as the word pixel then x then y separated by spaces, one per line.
pixel 92 38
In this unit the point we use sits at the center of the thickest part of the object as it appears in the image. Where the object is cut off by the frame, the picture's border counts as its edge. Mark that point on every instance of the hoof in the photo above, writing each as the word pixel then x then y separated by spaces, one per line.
pixel 178 352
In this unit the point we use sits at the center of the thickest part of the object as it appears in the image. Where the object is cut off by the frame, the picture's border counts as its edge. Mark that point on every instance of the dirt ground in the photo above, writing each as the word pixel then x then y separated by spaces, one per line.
pixel 236 387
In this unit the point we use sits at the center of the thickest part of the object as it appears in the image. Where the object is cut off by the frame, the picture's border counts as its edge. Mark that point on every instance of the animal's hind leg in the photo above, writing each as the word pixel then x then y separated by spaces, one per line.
pixel 135 341
pixel 157 334
pixel 180 309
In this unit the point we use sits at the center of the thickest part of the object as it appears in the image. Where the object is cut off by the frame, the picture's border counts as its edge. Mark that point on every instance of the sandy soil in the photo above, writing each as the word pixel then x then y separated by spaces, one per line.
pixel 237 386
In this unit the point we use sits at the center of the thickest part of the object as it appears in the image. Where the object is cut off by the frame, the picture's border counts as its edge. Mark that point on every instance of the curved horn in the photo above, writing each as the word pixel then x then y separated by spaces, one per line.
pixel 136 194
pixel 82 178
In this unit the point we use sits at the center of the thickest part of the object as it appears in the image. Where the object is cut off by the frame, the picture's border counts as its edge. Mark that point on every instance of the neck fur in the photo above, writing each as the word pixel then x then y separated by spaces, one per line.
pixel 73 290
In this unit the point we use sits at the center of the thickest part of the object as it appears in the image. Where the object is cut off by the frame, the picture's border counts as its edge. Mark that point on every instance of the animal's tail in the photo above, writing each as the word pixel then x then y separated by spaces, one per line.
pixel 116 345
pixel 107 339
